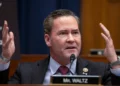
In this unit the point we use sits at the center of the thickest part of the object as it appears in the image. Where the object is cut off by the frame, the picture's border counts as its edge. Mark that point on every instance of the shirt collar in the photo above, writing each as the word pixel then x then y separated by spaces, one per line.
pixel 53 66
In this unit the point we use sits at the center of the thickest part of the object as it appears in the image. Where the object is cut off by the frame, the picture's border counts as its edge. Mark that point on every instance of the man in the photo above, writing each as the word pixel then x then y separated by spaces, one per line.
pixel 63 37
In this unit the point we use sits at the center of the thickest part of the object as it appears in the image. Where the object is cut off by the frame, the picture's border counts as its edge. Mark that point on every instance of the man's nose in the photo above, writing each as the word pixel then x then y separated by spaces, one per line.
pixel 70 38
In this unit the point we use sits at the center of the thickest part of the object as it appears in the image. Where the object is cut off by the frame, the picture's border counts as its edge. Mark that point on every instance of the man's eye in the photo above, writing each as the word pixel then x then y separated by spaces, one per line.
pixel 62 33
pixel 75 32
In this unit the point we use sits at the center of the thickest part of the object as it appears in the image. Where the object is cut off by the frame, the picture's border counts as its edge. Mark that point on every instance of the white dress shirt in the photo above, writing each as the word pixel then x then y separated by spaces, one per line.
pixel 4 66
pixel 53 67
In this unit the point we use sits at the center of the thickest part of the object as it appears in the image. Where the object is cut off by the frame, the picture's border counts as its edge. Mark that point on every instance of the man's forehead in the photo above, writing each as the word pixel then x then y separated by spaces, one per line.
pixel 67 29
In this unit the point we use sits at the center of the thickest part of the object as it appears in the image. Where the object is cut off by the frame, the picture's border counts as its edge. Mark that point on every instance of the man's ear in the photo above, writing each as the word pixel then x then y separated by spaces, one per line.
pixel 47 40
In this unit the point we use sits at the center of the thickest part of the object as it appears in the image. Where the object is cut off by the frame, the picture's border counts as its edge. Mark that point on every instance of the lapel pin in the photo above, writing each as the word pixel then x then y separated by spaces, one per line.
pixel 85 70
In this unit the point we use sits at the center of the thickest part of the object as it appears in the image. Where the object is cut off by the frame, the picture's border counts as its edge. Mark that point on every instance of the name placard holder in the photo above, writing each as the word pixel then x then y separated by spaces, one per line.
pixel 75 79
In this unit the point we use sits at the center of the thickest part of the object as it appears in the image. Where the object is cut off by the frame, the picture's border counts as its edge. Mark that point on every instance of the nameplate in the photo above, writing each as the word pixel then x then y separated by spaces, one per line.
pixel 75 79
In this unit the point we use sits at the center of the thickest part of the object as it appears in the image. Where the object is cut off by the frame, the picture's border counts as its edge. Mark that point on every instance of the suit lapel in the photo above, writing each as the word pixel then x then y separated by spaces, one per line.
pixel 39 71
pixel 81 63
pixel 40 68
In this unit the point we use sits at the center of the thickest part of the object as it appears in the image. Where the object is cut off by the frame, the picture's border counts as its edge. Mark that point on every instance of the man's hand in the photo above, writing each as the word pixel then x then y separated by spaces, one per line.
pixel 8 46
pixel 109 51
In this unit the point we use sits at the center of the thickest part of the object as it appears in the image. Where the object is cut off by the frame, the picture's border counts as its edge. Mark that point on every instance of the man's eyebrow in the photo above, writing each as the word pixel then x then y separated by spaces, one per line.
pixel 76 30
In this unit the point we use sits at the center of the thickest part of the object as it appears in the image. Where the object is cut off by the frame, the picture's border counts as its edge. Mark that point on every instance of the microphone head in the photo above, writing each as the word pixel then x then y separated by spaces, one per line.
pixel 72 57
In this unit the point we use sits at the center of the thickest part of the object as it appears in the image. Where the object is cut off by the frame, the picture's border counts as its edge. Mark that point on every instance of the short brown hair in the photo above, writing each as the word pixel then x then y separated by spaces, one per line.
pixel 48 22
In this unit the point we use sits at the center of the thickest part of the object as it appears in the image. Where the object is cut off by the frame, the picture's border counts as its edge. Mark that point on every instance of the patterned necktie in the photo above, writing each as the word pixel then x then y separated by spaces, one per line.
pixel 63 70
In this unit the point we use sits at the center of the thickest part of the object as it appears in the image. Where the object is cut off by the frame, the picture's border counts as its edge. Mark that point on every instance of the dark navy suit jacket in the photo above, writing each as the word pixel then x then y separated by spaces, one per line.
pixel 34 73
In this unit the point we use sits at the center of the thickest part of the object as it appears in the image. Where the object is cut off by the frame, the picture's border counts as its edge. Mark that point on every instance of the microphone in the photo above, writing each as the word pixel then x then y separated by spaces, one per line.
pixel 72 58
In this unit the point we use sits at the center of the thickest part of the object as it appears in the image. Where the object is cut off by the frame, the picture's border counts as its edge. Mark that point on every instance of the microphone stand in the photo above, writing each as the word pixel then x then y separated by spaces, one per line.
pixel 72 58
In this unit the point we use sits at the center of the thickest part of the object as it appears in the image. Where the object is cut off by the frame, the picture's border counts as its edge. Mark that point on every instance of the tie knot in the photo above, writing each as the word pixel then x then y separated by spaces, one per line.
pixel 63 70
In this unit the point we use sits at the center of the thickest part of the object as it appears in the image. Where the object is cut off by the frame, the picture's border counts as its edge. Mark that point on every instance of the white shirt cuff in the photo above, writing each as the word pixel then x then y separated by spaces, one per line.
pixel 4 66
pixel 116 71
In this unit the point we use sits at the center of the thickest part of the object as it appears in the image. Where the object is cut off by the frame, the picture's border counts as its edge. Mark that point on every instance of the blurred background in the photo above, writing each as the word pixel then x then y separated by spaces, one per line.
pixel 25 18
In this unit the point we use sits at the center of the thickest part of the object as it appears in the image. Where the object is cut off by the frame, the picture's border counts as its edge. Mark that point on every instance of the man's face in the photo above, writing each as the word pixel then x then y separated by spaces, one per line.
pixel 65 38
